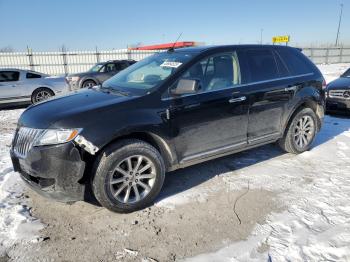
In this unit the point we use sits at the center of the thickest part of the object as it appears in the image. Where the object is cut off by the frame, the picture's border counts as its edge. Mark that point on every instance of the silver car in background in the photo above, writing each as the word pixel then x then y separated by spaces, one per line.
pixel 24 86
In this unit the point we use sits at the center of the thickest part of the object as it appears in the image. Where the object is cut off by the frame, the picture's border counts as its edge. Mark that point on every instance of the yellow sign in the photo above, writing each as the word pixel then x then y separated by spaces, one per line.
pixel 280 39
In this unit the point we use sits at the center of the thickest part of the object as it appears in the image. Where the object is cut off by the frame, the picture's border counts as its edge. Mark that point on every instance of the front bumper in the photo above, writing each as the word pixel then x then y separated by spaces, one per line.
pixel 53 171
pixel 337 104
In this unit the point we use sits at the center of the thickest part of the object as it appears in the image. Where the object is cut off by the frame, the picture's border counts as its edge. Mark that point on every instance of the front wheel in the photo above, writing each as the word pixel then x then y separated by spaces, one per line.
pixel 128 176
pixel 300 132
pixel 89 84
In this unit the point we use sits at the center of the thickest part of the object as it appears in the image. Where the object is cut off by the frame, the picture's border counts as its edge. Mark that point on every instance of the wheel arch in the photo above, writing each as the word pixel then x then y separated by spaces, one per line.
pixel 88 78
pixel 163 146
pixel 41 87
pixel 305 103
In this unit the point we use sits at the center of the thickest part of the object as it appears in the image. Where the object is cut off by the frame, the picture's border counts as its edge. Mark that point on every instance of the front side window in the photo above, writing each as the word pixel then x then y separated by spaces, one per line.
pixel 110 67
pixel 9 76
pixel 149 73
pixel 261 64
pixel 215 72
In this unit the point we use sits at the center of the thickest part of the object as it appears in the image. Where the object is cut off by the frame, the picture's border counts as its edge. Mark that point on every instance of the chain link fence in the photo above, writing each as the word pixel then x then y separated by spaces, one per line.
pixel 63 63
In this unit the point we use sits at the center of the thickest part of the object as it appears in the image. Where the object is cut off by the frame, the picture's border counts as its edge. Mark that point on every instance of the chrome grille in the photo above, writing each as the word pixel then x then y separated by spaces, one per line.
pixel 24 139
pixel 344 94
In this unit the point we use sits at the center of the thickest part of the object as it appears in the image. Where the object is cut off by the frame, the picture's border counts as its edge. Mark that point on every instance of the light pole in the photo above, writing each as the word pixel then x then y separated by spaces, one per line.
pixel 261 35
pixel 341 14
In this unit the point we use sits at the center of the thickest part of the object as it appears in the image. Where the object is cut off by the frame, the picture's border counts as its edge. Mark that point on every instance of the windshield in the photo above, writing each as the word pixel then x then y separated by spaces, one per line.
pixel 96 68
pixel 150 72
pixel 346 74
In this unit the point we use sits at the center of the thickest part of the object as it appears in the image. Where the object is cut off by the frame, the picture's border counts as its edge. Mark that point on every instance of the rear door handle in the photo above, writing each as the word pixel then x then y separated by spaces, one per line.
pixel 237 99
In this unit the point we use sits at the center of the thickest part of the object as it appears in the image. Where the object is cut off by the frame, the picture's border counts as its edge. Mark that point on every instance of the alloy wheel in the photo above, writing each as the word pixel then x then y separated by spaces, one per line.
pixel 304 131
pixel 42 95
pixel 132 179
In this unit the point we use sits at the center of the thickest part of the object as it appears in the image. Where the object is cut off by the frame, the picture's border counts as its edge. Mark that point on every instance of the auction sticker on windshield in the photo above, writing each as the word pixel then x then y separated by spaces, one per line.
pixel 171 64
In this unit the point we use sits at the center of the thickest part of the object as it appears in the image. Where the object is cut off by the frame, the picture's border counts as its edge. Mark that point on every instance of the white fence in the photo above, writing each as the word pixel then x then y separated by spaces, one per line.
pixel 57 63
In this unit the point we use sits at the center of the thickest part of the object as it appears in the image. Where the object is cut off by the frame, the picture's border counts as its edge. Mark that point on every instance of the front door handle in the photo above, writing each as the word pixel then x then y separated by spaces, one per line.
pixel 237 99
pixel 291 88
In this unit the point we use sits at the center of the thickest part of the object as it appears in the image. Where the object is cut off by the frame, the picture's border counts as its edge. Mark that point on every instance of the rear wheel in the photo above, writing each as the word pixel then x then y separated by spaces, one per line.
pixel 41 94
pixel 128 176
pixel 300 132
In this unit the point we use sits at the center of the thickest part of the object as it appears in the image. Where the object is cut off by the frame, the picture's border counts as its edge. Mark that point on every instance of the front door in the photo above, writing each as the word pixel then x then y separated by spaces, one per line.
pixel 214 120
pixel 9 86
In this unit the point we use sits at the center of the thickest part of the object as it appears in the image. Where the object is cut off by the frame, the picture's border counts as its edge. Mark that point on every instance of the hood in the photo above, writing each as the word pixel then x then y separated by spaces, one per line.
pixel 342 82
pixel 77 109
pixel 82 74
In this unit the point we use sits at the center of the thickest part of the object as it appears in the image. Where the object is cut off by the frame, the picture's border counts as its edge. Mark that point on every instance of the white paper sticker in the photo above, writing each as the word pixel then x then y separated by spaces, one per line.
pixel 171 64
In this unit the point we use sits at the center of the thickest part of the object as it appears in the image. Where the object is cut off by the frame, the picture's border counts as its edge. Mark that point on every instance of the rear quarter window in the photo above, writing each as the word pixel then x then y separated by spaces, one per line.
pixel 32 76
pixel 296 62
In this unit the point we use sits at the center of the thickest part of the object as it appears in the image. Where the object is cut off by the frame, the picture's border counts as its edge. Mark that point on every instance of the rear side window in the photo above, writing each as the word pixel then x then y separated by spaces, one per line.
pixel 262 65
pixel 295 62
pixel 9 76
pixel 31 76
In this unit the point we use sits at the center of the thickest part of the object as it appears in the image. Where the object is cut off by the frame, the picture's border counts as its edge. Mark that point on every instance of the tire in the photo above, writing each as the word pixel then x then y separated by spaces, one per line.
pixel 88 84
pixel 114 186
pixel 303 124
pixel 41 94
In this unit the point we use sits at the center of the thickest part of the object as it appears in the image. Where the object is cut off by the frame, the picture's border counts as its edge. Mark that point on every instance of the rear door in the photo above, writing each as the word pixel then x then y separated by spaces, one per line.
pixel 213 121
pixel 9 86
pixel 269 93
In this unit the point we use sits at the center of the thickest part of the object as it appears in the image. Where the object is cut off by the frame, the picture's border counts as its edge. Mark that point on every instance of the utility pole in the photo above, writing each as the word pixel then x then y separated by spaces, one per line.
pixel 261 34
pixel 341 14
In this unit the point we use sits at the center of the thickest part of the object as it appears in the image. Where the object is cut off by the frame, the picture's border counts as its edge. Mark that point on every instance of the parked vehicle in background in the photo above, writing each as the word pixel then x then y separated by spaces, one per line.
pixel 25 86
pixel 168 111
pixel 99 73
pixel 338 93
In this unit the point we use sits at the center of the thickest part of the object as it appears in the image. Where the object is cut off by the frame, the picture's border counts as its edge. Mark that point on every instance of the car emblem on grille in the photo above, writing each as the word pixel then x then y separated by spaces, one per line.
pixel 346 94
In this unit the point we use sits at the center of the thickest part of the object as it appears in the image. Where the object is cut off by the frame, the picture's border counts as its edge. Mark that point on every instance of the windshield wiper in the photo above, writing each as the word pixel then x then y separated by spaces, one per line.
pixel 114 90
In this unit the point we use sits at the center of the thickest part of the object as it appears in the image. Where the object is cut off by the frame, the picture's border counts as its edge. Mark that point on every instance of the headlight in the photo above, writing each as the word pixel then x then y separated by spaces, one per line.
pixel 73 78
pixel 56 136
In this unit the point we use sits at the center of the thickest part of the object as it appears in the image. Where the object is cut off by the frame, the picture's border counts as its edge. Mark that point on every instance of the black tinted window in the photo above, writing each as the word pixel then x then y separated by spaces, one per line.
pixel 31 75
pixel 282 68
pixel 262 65
pixel 296 63
pixel 9 76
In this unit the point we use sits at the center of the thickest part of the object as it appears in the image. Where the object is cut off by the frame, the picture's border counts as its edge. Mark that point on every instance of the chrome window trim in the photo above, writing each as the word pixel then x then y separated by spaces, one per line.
pixel 240 85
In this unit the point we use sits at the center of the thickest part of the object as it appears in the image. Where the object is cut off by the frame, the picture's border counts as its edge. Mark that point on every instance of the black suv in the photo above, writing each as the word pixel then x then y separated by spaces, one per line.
pixel 168 111
pixel 97 74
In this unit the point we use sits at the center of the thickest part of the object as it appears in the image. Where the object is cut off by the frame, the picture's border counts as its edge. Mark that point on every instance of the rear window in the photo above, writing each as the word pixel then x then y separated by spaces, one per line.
pixel 262 65
pixel 32 75
pixel 296 63
pixel 9 76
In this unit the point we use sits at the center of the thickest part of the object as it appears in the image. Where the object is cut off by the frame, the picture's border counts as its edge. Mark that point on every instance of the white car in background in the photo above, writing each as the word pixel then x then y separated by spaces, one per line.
pixel 24 86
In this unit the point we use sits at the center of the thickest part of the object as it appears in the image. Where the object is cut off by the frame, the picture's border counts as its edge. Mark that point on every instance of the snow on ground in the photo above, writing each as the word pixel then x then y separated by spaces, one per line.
pixel 315 190
pixel 315 187
pixel 15 220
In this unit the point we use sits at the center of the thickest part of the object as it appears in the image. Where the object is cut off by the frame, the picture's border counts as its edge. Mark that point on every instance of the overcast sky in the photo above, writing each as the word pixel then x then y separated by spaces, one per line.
pixel 85 24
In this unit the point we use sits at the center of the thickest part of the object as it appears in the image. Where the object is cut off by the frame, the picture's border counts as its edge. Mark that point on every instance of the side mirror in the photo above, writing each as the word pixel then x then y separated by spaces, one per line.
pixel 186 86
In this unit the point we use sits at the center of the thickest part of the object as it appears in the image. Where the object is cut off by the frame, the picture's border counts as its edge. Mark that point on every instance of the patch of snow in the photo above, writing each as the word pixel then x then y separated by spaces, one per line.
pixel 16 223
pixel 315 189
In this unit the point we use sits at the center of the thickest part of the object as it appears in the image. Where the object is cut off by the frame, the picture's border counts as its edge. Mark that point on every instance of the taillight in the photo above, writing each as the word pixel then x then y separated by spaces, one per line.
pixel 324 84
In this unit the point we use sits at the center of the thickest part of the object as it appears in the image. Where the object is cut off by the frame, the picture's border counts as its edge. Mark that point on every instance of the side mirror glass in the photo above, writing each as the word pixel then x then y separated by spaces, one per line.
pixel 186 86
